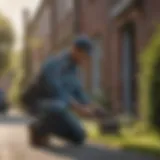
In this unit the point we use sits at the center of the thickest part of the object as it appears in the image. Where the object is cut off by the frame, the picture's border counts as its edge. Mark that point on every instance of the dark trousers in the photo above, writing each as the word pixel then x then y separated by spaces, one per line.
pixel 57 119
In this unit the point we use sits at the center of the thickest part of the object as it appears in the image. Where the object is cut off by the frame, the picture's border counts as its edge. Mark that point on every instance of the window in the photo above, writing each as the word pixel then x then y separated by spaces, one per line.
pixel 96 65
pixel 63 8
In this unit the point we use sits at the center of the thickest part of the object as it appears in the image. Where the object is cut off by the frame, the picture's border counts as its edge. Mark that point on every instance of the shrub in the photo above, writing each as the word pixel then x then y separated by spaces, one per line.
pixel 16 66
pixel 149 81
pixel 6 42
pixel 15 89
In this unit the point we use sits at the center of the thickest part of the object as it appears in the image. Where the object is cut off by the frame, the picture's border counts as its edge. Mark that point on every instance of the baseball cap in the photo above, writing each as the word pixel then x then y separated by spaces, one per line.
pixel 83 42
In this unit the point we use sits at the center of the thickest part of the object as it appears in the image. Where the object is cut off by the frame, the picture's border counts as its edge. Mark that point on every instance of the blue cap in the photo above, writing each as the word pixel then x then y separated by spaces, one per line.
pixel 83 42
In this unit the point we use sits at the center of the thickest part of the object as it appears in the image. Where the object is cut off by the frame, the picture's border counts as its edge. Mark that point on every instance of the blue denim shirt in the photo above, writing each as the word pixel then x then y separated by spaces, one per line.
pixel 60 73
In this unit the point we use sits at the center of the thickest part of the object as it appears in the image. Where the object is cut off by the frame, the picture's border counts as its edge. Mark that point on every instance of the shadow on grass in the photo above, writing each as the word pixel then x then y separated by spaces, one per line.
pixel 131 139
pixel 142 149
pixel 95 152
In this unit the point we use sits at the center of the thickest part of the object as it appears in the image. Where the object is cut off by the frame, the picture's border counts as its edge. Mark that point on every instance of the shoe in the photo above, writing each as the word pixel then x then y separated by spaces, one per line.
pixel 35 138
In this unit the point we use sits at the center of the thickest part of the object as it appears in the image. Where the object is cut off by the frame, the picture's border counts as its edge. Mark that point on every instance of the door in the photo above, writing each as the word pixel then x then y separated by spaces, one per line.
pixel 128 68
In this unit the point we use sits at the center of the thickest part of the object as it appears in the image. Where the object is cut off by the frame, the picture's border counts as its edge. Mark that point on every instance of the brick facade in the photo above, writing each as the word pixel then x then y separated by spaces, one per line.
pixel 93 22
pixel 6 81
pixel 145 17
pixel 101 20
pixel 64 24
pixel 38 36
pixel 97 19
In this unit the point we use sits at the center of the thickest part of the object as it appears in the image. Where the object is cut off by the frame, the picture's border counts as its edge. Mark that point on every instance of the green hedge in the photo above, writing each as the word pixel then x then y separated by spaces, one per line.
pixel 149 80
pixel 15 89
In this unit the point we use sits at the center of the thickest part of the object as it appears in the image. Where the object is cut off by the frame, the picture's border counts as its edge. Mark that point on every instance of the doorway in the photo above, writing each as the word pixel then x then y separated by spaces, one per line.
pixel 129 69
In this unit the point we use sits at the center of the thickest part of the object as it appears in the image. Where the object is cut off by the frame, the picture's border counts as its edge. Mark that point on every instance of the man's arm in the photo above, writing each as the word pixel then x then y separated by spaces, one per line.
pixel 84 106
pixel 81 102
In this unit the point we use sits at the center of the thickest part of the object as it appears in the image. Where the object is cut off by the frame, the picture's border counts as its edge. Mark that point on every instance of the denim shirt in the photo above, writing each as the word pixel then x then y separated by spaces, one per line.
pixel 61 76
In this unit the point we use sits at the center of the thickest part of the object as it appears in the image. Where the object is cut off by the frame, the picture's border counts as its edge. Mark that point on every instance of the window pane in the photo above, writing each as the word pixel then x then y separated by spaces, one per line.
pixel 96 65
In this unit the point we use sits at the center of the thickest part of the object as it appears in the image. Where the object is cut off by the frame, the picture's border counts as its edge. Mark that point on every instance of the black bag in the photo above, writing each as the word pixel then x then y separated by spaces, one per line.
pixel 30 93
pixel 37 89
pixel 33 90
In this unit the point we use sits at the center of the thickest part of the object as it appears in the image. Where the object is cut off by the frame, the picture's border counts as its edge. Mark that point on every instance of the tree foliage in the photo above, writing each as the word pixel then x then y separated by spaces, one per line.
pixel 6 41
pixel 16 65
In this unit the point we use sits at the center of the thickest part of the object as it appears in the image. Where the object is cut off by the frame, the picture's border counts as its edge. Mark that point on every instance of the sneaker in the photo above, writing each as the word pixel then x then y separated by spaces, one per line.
pixel 36 139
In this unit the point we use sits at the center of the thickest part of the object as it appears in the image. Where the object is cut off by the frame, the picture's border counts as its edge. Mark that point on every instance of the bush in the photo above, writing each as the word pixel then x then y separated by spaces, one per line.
pixel 6 42
pixel 155 95
pixel 15 89
pixel 149 80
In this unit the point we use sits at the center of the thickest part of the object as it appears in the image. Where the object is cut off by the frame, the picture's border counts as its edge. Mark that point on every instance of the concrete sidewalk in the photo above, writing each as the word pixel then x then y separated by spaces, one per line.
pixel 14 146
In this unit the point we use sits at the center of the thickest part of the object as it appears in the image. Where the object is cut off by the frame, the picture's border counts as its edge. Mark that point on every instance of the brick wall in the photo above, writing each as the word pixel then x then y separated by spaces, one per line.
pixel 92 21
pixel 54 32
pixel 39 35
pixel 63 26
pixel 6 81
pixel 145 19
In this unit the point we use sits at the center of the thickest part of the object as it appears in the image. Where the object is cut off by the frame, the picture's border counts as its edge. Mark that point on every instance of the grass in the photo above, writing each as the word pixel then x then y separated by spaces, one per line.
pixel 94 135
pixel 133 138
pixel 146 142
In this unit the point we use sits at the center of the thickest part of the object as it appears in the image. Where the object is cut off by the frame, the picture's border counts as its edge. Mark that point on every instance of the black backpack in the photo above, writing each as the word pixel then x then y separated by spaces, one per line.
pixel 34 91
pixel 29 93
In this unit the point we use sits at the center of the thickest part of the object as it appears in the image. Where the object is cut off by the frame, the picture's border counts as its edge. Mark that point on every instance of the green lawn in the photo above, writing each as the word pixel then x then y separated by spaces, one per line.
pixel 130 139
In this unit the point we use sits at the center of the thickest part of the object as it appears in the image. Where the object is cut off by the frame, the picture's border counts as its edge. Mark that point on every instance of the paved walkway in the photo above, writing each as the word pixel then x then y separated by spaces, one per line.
pixel 14 146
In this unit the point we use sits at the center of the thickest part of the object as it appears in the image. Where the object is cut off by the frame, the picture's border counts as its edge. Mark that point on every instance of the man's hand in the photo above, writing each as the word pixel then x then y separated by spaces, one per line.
pixel 83 110
pixel 100 113
pixel 93 113
pixel 87 112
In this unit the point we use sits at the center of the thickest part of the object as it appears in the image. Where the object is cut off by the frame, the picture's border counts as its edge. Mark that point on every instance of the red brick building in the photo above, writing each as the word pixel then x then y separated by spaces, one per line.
pixel 6 81
pixel 64 28
pixel 92 17
pixel 131 26
pixel 120 29
pixel 38 34
pixel 49 31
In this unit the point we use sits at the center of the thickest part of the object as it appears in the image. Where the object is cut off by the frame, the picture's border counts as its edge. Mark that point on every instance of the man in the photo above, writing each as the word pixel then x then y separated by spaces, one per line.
pixel 63 96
